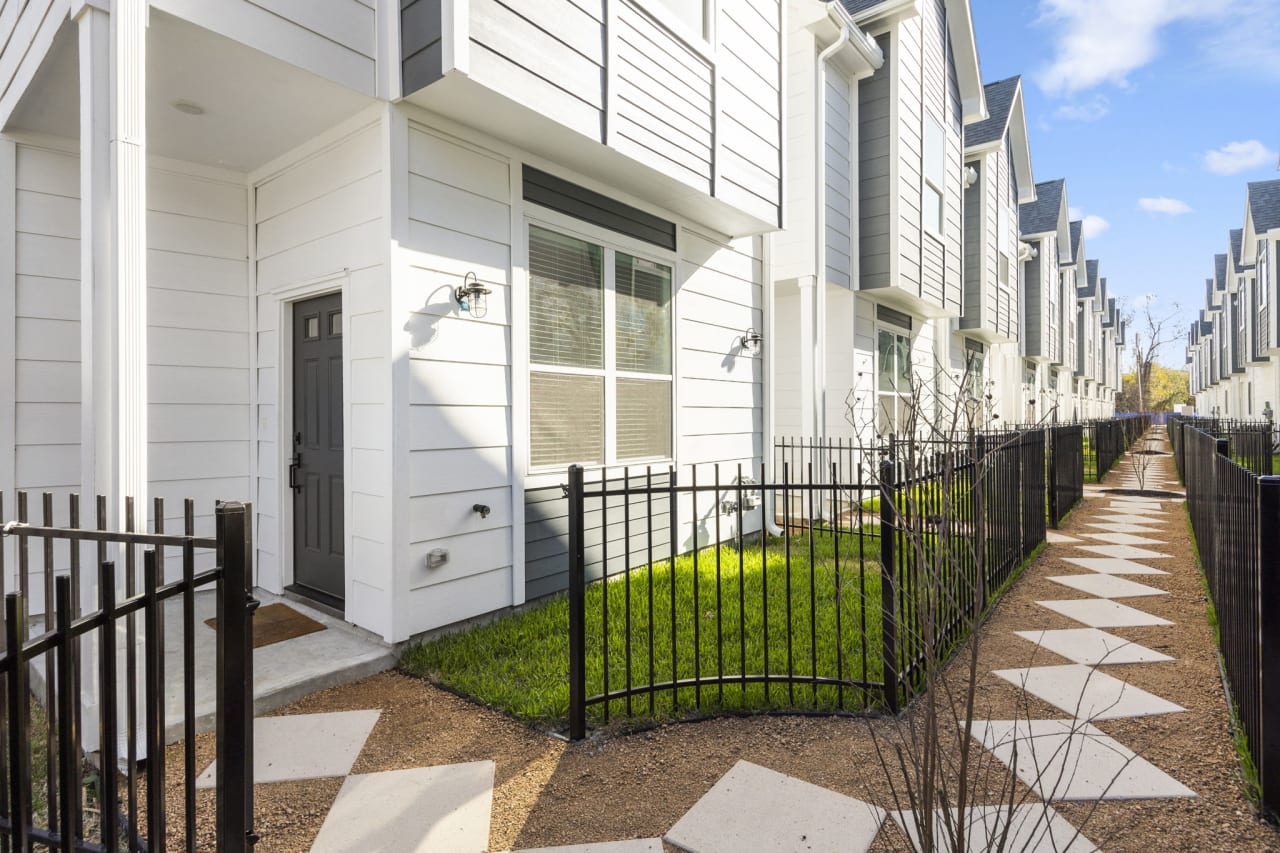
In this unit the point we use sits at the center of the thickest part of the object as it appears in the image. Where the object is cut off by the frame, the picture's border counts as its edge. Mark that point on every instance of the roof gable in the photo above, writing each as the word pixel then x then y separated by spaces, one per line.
pixel 1220 271
pixel 1077 240
pixel 1264 205
pixel 1006 121
pixel 1047 214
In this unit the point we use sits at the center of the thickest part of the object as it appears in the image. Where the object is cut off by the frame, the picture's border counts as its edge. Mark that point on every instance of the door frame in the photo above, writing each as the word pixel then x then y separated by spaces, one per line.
pixel 286 298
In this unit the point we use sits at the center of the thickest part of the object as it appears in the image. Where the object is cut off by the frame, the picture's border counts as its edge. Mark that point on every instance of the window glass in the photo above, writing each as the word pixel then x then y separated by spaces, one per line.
pixel 886 352
pixel 643 309
pixel 566 300
pixel 935 174
pixel 587 300
pixel 566 419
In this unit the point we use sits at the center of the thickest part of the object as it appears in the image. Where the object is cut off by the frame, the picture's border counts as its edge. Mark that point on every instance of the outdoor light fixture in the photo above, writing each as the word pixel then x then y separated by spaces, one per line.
pixel 1268 412
pixel 471 296
pixel 750 341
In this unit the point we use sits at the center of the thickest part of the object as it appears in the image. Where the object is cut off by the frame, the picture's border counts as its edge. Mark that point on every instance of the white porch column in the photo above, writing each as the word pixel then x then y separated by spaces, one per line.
pixel 113 259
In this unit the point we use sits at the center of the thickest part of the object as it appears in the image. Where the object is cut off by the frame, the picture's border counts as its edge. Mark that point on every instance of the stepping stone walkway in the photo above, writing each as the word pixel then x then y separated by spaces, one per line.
pixel 753 808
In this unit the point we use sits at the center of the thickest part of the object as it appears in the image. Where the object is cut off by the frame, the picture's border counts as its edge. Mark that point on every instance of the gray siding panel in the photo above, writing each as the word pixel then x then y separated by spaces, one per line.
pixel 874 135
pixel 839 182
pixel 1033 304
pixel 420 45
pixel 974 254
pixel 547 535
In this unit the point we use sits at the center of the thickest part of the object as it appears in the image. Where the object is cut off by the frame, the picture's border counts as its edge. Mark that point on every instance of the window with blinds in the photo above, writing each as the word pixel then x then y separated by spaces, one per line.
pixel 600 352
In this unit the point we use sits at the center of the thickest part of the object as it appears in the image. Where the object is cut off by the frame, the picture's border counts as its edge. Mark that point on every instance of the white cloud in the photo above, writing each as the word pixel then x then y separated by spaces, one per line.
pixel 1255 57
pixel 1091 225
pixel 1089 111
pixel 1103 41
pixel 1161 204
pixel 1094 226
pixel 1235 157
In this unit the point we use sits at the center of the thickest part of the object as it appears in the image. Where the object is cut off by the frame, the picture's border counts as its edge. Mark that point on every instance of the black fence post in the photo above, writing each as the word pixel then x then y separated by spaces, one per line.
pixel 1269 628
pixel 577 609
pixel 888 583
pixel 1052 477
pixel 235 678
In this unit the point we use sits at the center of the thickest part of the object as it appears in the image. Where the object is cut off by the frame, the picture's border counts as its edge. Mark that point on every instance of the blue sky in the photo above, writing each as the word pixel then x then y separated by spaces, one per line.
pixel 1157 112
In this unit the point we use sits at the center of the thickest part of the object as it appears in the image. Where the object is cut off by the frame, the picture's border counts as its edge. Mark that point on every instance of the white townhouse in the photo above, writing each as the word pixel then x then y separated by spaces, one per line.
pixel 387 267
pixel 1048 285
pixel 890 280
pixel 985 343
pixel 1233 348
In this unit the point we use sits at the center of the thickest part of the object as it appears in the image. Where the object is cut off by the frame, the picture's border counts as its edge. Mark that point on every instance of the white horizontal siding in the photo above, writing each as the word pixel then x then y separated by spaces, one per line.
pixel 198 341
pixel 458 410
pixel 320 223
pixel 748 94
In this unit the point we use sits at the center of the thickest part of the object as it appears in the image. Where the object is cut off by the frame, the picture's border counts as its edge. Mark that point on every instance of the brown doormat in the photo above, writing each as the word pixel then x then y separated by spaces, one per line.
pixel 276 623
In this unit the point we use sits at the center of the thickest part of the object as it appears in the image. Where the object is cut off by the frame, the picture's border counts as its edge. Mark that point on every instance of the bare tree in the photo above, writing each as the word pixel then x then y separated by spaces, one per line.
pixel 1153 330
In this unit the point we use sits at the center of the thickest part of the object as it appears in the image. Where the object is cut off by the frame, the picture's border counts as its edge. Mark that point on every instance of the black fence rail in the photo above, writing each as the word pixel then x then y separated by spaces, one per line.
pixel 1255 445
pixel 1235 514
pixel 825 588
pixel 1065 471
pixel 108 660
pixel 1105 442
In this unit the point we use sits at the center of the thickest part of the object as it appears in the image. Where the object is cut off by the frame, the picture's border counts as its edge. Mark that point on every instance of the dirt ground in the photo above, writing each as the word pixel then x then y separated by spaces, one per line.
pixel 549 792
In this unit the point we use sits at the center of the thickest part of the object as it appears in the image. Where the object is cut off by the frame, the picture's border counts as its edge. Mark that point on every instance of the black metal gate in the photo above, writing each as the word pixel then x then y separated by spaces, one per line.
pixel 54 791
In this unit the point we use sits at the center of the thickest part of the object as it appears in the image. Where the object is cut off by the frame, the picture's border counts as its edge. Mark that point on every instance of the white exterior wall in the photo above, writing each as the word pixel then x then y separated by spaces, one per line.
pixel 334 39
pixel 320 227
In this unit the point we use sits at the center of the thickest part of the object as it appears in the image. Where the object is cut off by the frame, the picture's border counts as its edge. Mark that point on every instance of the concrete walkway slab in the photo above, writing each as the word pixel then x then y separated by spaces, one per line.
pixel 1137 508
pixel 304 746
pixel 1065 760
pixel 423 810
pixel 1103 613
pixel 1107 586
pixel 753 809
pixel 1110 527
pixel 1123 552
pixel 1034 828
pixel 1117 517
pixel 1086 693
pixel 1124 539
pixel 1113 566
pixel 1092 647
pixel 1055 538
pixel 640 845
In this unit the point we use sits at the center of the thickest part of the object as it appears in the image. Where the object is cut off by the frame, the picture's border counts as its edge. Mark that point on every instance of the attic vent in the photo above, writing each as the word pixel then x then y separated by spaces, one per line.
pixel 897 318
pixel 974 346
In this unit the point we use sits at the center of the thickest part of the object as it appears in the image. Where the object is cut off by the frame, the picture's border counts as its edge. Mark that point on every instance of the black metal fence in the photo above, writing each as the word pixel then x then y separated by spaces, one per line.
pixel 830 587
pixel 1066 471
pixel 1235 514
pixel 78 682
pixel 1254 445
pixel 1105 441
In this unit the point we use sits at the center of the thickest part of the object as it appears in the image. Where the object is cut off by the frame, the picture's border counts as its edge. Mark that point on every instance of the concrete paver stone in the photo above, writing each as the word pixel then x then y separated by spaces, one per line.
pixel 1124 552
pixel 1068 760
pixel 639 845
pixel 422 810
pixel 1103 613
pixel 304 746
pixel 753 809
pixel 1113 566
pixel 1086 693
pixel 1107 586
pixel 1124 539
pixel 1034 828
pixel 1092 647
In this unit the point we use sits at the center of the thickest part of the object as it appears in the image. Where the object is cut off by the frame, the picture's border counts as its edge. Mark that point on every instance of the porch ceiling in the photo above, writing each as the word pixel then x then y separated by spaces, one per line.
pixel 256 108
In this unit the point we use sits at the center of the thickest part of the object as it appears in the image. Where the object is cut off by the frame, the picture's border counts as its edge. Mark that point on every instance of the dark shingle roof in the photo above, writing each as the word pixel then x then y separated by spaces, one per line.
pixel 1041 216
pixel 1091 268
pixel 1264 205
pixel 1237 243
pixel 857 7
pixel 1220 271
pixel 1089 285
pixel 1077 232
pixel 999 106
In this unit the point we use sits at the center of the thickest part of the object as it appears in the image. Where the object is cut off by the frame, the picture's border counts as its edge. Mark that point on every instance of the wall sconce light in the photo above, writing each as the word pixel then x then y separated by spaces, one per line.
pixel 750 341
pixel 471 296
pixel 1268 412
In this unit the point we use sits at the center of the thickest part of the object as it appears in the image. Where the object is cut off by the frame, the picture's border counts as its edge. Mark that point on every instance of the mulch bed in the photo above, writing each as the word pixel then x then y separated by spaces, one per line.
pixel 619 786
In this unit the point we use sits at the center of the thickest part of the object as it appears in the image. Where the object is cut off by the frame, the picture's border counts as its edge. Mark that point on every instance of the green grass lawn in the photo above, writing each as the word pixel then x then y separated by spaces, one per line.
pixel 520 663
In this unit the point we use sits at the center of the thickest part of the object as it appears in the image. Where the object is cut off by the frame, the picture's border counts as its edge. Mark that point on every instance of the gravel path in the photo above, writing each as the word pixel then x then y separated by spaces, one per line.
pixel 548 792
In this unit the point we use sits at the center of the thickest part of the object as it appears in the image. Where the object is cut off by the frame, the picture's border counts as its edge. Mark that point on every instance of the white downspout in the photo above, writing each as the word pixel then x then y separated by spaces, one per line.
pixel 817 401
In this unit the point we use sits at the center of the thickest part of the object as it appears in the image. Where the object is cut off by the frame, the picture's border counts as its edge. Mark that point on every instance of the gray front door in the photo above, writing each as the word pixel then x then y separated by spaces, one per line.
pixel 315 471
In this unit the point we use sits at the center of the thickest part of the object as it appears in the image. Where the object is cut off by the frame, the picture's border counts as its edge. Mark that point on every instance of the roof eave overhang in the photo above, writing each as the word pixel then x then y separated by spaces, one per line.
pixel 964 46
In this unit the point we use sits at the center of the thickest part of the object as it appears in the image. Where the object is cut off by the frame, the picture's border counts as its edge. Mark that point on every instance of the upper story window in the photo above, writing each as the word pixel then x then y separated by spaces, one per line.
pixel 600 353
pixel 1263 279
pixel 1004 270
pixel 935 175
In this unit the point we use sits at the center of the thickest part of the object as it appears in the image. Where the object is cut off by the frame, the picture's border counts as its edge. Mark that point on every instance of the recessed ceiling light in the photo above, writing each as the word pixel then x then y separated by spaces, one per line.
pixel 189 108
